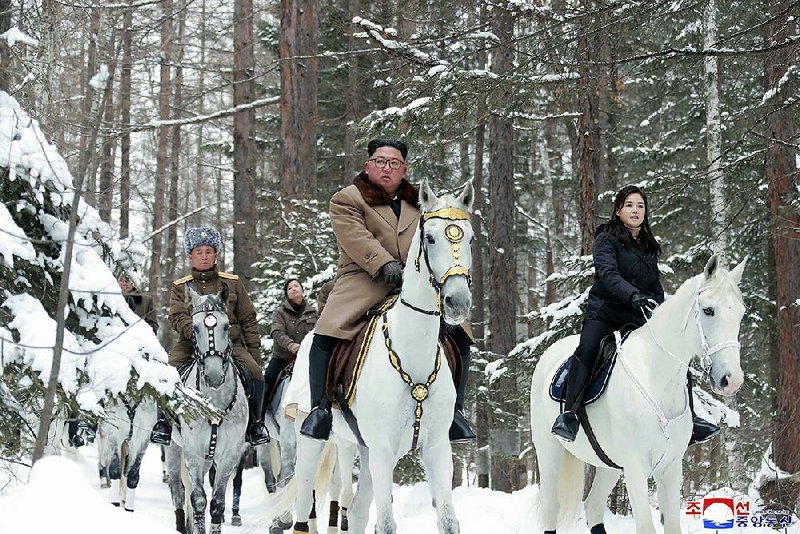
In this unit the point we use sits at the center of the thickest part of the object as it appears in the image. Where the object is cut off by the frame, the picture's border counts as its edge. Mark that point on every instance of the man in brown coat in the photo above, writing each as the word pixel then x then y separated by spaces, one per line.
pixel 201 245
pixel 374 221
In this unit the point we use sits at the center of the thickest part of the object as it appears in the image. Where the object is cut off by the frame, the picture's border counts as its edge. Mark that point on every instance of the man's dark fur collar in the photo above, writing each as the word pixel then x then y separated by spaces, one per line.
pixel 375 196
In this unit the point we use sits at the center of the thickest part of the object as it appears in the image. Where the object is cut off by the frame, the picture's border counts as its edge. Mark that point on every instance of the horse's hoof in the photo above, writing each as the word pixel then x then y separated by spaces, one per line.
pixel 165 478
pixel 271 488
pixel 598 529
pixel 116 504
pixel 216 528
pixel 236 520
pixel 282 525
pixel 275 529
pixel 105 484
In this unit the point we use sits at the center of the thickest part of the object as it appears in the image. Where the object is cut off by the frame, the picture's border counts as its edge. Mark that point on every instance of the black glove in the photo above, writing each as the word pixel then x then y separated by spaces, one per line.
pixel 392 273
pixel 641 301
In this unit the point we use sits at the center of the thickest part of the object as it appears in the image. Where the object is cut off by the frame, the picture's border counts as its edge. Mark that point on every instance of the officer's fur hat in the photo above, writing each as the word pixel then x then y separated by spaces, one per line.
pixel 202 235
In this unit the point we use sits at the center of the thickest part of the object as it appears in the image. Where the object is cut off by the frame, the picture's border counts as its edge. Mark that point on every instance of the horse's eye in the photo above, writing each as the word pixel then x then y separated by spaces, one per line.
pixel 709 311
pixel 429 238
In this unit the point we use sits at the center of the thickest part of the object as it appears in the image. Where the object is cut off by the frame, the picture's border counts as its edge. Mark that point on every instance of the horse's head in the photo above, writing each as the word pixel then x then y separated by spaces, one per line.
pixel 212 347
pixel 718 309
pixel 445 245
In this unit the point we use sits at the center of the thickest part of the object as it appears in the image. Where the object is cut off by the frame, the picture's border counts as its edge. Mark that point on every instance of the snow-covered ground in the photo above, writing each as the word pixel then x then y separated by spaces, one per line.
pixel 64 497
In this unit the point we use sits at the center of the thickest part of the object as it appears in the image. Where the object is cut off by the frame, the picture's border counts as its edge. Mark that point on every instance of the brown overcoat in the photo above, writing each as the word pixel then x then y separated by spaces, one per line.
pixel 244 334
pixel 369 236
pixel 290 326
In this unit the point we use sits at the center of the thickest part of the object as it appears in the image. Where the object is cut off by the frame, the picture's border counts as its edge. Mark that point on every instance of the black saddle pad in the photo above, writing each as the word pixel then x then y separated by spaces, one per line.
pixel 607 359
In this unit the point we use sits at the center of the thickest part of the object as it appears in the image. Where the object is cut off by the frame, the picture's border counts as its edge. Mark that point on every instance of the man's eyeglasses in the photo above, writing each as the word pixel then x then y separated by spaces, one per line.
pixel 381 163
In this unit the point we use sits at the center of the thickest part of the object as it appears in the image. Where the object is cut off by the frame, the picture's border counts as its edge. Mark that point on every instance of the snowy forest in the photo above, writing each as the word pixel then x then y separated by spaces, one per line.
pixel 124 123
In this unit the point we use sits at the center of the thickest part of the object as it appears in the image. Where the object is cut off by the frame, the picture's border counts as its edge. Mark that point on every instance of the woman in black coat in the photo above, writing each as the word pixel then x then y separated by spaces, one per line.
pixel 626 286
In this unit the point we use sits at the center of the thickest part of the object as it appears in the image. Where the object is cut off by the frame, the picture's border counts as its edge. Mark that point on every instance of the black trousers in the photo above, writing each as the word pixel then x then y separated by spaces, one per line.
pixel 274 368
pixel 592 332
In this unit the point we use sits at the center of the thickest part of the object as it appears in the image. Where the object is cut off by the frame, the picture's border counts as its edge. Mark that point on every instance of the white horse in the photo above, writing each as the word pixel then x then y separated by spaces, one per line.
pixel 122 439
pixel 642 421
pixel 203 442
pixel 405 394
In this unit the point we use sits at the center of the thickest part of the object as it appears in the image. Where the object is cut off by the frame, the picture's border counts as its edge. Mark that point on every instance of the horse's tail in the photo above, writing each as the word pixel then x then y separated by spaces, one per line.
pixel 274 451
pixel 570 489
pixel 285 496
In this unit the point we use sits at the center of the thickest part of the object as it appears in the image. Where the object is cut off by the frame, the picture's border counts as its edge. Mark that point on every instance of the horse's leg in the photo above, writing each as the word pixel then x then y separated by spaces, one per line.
pixel 636 481
pixel 114 476
pixel 196 471
pixel 225 468
pixel 346 453
pixel 358 515
pixel 265 460
pixel 308 457
pixel 438 461
pixel 236 519
pixel 334 490
pixel 135 455
pixel 669 496
pixel 595 505
pixel 549 456
pixel 381 467
pixel 176 489
pixel 164 473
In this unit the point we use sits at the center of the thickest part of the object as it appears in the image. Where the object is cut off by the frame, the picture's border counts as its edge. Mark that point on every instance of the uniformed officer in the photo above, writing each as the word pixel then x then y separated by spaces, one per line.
pixel 201 245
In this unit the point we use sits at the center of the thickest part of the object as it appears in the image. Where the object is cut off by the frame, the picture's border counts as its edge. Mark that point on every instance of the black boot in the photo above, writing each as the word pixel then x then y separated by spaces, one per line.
pixel 319 422
pixel 257 433
pixel 460 432
pixel 702 430
pixel 162 431
pixel 567 424
pixel 73 437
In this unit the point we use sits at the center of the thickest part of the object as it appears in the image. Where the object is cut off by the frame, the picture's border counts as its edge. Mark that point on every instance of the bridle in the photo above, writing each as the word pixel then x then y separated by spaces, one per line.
pixel 210 322
pixel 455 235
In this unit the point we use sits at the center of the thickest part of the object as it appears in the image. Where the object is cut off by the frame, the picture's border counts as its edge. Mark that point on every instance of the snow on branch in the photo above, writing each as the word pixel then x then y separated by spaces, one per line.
pixel 15 35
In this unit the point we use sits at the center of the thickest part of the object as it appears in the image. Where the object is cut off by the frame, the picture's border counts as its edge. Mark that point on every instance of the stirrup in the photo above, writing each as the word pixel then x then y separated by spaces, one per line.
pixel 257 434
pixel 161 434
pixel 566 426
pixel 318 424
pixel 702 430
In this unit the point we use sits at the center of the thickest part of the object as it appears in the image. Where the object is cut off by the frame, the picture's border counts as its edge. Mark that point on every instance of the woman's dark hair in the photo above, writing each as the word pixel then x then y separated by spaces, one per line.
pixel 286 285
pixel 375 144
pixel 620 232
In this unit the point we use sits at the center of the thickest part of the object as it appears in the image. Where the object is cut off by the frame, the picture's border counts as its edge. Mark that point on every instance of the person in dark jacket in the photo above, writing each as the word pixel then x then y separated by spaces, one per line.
pixel 626 286
pixel 141 304
pixel 290 324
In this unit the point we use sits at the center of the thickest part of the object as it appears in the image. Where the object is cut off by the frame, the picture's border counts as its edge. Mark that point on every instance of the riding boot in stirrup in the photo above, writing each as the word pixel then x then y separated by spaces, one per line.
pixel 319 422
pixel 460 432
pixel 73 437
pixel 162 431
pixel 257 433
pixel 567 424
pixel 702 430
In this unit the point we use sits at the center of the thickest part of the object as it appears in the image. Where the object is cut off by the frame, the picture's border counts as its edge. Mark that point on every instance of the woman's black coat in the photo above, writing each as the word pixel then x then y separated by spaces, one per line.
pixel 621 270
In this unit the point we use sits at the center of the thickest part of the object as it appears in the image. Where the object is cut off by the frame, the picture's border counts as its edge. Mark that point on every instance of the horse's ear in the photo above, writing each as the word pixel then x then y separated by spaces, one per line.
pixel 711 266
pixel 467 196
pixel 427 198
pixel 737 271
pixel 193 295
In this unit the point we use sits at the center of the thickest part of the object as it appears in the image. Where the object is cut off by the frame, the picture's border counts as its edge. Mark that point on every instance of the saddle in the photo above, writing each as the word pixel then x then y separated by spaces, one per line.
pixel 599 375
pixel 347 358
pixel 274 395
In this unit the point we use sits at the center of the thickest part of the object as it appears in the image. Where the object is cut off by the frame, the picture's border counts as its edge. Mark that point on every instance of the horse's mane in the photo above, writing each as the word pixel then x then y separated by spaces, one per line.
pixel 686 291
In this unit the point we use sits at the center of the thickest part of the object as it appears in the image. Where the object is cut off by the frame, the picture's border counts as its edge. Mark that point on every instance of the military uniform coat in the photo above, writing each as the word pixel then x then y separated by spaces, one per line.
pixel 290 325
pixel 244 334
pixel 369 236
pixel 142 306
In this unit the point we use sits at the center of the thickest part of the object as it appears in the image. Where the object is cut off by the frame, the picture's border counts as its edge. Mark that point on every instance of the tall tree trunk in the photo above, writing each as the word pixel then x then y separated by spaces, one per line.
pixel 783 182
pixel 297 49
pixel 547 173
pixel 162 168
pixel 353 112
pixel 199 175
pixel 105 193
pixel 125 123
pixel 502 254
pixel 593 122
pixel 244 142
pixel 5 51
pixel 175 158
pixel 87 150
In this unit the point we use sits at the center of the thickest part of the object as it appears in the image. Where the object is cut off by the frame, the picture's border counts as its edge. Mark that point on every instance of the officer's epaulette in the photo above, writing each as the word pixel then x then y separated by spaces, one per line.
pixel 228 276
pixel 183 280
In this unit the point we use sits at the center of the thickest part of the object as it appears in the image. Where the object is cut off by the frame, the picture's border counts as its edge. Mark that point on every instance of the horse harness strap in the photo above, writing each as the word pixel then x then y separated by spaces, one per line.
pixel 212 442
pixel 131 414
pixel 419 392
pixel 598 450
